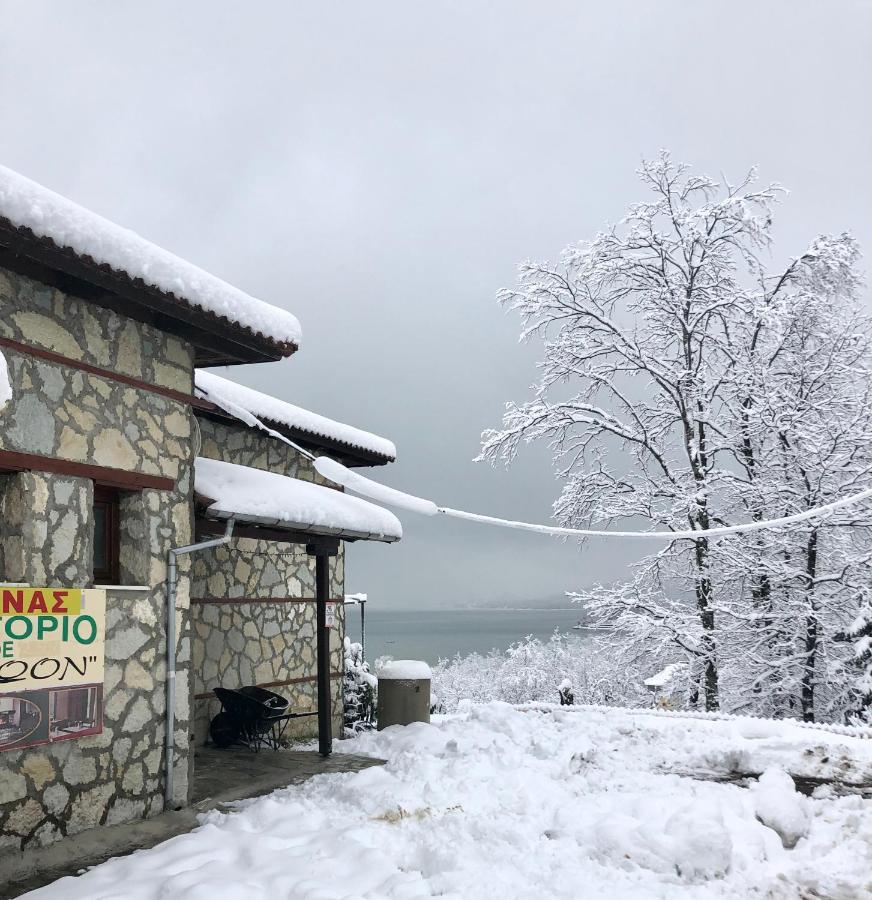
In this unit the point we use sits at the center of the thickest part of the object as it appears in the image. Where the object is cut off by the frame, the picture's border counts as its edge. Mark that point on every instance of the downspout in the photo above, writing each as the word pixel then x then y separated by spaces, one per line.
pixel 172 580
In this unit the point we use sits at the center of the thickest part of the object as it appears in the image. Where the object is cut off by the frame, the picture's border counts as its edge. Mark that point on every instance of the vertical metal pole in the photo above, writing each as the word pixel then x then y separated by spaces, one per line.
pixel 363 630
pixel 322 595
pixel 170 736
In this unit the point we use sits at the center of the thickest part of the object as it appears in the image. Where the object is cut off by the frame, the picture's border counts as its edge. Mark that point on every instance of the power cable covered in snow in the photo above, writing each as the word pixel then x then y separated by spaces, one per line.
pixel 366 487
pixel 247 418
pixel 372 489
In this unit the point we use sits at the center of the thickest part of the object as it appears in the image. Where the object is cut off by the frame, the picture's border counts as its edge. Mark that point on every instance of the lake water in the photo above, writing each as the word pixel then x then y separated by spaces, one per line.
pixel 431 634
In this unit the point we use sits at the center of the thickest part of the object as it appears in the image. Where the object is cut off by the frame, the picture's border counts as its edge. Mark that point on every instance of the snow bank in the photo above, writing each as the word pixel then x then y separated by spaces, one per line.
pixel 252 494
pixel 339 474
pixel 778 805
pixel 230 396
pixel 5 385
pixel 47 214
pixel 502 803
pixel 402 670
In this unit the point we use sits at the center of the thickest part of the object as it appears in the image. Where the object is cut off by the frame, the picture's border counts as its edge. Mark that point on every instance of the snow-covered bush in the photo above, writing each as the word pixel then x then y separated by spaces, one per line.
pixel 536 671
pixel 860 635
pixel 360 689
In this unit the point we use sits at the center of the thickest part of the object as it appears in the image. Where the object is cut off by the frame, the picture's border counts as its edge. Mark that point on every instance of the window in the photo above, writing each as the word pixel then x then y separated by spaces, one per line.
pixel 107 533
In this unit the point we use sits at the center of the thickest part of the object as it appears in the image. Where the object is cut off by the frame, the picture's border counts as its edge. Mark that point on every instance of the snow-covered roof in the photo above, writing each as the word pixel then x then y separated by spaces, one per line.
pixel 664 676
pixel 27 204
pixel 267 498
pixel 228 394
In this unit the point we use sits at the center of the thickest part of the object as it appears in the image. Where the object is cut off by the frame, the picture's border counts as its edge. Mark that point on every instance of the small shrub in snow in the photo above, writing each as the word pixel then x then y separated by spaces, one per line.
pixel 360 689
pixel 860 634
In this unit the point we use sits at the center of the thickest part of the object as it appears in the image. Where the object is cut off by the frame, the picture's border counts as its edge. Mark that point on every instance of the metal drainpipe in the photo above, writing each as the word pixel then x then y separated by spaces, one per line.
pixel 172 578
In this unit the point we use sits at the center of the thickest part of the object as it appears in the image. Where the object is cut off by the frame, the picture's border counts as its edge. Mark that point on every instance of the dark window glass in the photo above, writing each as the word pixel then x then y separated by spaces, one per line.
pixel 106 535
pixel 101 558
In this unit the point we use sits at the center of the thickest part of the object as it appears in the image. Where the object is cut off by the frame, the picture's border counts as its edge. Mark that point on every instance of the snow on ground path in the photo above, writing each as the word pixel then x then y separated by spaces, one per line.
pixel 502 802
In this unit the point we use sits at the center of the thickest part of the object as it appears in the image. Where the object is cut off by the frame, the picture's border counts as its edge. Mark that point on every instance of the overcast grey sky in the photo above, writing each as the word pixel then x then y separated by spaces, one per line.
pixel 380 168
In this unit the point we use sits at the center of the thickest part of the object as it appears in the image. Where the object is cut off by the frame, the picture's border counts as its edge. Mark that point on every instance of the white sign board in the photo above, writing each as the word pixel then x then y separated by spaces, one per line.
pixel 330 615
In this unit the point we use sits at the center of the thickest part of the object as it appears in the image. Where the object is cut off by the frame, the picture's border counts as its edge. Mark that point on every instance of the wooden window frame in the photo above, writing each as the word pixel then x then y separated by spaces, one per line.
pixel 108 498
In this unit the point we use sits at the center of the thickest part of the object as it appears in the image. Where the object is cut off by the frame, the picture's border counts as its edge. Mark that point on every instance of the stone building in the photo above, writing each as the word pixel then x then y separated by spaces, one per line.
pixel 102 334
pixel 252 603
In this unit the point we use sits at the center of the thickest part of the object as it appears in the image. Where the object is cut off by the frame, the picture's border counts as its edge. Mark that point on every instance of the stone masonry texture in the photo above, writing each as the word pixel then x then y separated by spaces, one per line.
pixel 46 537
pixel 258 642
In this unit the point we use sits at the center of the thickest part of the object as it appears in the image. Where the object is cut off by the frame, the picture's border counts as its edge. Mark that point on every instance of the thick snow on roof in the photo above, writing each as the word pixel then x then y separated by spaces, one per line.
pixel 221 391
pixel 47 214
pixel 252 495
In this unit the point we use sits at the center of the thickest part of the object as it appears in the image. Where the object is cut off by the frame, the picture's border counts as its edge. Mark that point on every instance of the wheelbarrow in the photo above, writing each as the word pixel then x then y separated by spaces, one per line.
pixel 252 716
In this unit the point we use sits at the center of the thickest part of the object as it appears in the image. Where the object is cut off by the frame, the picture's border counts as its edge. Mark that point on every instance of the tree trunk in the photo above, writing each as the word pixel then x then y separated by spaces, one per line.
pixel 807 687
pixel 707 618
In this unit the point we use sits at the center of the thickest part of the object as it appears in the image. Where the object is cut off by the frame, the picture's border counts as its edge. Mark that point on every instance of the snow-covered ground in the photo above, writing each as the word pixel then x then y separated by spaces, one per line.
pixel 506 802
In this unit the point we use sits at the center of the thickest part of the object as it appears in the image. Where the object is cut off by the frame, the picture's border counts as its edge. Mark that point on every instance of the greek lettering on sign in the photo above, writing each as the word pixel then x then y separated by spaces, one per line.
pixel 52 643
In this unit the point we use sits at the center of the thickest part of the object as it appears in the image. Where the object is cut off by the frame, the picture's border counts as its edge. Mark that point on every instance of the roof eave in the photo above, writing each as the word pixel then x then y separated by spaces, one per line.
pixel 347 454
pixel 220 515
pixel 216 340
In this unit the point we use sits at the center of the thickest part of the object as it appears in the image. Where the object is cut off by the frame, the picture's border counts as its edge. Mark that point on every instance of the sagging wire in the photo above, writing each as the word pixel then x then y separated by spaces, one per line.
pixel 339 474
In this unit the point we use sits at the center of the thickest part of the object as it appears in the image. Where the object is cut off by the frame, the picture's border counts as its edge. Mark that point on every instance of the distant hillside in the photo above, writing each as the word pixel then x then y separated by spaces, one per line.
pixel 553 601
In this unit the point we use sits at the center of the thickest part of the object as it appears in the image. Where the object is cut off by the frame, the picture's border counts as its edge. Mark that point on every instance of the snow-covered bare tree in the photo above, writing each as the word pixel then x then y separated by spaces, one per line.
pixel 803 405
pixel 658 397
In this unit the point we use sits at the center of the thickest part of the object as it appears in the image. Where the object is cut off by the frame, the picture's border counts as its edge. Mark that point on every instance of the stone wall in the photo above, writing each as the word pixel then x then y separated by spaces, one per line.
pixel 262 643
pixel 70 414
pixel 56 789
pixel 36 506
pixel 235 443
pixel 258 642
pixel 65 787
pixel 46 317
